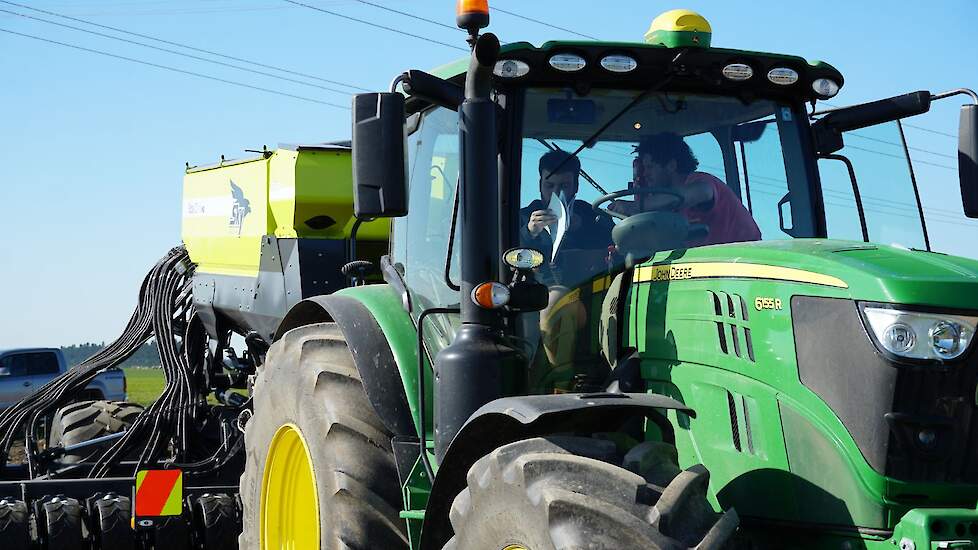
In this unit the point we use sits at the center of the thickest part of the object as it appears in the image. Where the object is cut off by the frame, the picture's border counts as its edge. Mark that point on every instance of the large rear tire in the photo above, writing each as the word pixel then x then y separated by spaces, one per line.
pixel 569 493
pixel 86 420
pixel 320 470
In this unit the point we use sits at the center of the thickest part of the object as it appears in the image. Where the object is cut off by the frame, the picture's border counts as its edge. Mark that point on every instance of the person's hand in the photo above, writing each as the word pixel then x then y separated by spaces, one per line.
pixel 539 220
pixel 625 208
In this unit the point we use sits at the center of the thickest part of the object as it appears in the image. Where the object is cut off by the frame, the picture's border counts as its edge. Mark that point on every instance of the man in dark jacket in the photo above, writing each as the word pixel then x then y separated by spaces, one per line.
pixel 585 243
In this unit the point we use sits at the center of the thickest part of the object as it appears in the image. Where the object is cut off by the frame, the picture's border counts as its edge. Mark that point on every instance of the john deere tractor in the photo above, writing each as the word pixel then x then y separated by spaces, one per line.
pixel 434 378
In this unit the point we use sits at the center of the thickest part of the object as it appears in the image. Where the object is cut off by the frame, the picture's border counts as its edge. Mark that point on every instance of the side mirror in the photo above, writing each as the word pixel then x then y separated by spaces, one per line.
pixel 4 371
pixel 379 156
pixel 828 130
pixel 968 159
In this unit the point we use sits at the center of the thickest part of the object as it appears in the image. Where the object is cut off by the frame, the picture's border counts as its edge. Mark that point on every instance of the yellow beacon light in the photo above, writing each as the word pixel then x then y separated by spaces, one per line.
pixel 680 29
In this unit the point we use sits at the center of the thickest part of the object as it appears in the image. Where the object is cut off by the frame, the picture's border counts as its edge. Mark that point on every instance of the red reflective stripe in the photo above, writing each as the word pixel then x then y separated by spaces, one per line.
pixel 154 491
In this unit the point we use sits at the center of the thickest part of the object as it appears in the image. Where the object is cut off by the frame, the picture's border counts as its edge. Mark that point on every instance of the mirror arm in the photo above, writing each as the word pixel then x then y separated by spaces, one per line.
pixel 954 92
pixel 431 89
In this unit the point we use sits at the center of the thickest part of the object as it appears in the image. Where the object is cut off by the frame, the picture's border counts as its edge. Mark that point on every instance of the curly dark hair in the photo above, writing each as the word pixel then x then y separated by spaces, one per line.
pixel 668 146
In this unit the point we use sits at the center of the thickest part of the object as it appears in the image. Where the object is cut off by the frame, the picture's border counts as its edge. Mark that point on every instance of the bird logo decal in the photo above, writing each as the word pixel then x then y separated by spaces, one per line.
pixel 240 207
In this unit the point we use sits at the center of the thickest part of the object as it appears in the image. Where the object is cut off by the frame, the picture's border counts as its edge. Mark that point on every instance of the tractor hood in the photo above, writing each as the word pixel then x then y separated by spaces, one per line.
pixel 868 272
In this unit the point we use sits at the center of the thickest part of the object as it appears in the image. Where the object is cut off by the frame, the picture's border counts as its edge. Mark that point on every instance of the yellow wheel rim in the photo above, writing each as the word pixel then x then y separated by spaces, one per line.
pixel 515 547
pixel 289 503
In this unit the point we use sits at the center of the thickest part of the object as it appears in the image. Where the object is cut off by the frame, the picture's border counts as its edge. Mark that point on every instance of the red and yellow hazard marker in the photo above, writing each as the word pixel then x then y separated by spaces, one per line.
pixel 159 493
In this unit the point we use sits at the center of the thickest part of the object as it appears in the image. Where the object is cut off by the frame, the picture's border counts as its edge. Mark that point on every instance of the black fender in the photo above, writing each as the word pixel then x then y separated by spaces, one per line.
pixel 371 354
pixel 511 419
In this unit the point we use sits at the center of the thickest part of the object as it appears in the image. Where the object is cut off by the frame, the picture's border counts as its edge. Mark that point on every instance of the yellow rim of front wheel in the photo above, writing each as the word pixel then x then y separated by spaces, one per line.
pixel 289 502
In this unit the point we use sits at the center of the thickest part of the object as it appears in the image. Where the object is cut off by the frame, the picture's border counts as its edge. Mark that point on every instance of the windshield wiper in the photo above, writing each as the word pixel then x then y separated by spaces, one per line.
pixel 638 99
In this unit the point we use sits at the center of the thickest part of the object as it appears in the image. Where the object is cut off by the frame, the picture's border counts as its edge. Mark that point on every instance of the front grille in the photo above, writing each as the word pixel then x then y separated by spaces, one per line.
pixel 915 423
pixel 933 432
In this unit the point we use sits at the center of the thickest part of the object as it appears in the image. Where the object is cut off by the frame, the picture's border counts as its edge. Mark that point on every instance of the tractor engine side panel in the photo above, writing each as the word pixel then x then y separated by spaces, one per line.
pixel 725 347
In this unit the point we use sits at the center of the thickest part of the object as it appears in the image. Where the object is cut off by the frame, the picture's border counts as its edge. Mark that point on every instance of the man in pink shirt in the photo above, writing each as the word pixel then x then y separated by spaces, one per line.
pixel 665 162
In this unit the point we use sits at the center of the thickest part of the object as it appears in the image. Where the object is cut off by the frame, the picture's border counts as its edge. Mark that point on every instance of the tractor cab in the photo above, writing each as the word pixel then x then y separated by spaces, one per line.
pixel 608 153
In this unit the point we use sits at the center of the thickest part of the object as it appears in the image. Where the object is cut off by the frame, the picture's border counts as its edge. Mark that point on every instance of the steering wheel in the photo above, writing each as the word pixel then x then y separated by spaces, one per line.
pixel 675 206
pixel 645 233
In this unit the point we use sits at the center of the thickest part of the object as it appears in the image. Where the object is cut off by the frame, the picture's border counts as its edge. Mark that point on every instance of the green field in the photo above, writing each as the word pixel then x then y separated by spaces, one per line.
pixel 146 383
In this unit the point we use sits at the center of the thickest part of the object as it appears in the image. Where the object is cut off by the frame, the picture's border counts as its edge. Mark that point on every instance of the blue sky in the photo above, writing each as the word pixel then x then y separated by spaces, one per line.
pixel 93 148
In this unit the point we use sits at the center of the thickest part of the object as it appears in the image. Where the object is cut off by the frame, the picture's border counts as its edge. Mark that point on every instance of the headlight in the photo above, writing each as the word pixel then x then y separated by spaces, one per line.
pixel 919 335
pixel 825 87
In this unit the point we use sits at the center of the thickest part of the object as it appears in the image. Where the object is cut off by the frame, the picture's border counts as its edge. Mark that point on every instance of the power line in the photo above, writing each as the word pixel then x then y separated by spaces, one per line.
pixel 372 24
pixel 174 52
pixel 173 11
pixel 928 151
pixel 178 44
pixel 544 23
pixel 411 15
pixel 922 129
pixel 918 161
pixel 174 69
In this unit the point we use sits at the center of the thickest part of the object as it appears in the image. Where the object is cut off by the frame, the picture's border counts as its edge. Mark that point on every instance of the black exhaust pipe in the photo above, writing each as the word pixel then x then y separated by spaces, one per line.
pixel 480 362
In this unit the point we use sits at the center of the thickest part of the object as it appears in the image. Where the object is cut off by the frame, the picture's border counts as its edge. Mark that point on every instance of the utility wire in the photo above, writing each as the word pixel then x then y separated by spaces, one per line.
pixel 877 140
pixel 178 44
pixel 88 11
pixel 372 24
pixel 175 52
pixel 922 129
pixel 174 69
pixel 901 157
pixel 544 23
pixel 411 15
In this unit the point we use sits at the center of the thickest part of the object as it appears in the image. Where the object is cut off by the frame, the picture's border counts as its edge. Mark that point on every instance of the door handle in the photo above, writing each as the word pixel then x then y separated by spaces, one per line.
pixel 27 383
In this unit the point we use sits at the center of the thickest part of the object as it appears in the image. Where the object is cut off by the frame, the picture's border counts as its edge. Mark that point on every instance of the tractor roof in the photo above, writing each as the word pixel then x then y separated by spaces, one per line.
pixel 696 67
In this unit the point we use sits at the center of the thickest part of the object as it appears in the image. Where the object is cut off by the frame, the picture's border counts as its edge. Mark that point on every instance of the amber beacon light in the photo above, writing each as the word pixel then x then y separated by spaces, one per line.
pixel 472 15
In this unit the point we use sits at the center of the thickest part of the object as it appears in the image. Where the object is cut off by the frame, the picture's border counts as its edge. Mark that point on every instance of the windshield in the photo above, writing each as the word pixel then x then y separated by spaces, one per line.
pixel 736 168
pixel 677 170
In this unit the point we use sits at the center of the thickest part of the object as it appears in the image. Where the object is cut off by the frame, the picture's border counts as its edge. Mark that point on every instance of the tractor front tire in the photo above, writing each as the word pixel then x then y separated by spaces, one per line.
pixel 567 493
pixel 320 470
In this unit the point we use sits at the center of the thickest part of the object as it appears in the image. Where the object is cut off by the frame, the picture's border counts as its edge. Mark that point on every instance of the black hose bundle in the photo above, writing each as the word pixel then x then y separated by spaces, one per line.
pixel 162 432
pixel 165 427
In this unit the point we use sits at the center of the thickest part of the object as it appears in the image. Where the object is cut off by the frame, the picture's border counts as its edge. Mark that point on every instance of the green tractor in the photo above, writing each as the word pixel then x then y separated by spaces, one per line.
pixel 550 342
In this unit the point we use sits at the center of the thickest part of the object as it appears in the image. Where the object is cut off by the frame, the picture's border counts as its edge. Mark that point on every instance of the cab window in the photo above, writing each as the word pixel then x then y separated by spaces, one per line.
pixel 420 241
pixel 886 188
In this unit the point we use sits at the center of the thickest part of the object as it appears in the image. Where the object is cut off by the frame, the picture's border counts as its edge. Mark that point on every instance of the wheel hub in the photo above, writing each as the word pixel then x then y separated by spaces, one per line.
pixel 289 502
